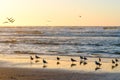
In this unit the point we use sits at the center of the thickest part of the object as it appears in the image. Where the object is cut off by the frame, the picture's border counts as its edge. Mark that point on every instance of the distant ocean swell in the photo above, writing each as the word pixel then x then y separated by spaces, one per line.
pixel 62 41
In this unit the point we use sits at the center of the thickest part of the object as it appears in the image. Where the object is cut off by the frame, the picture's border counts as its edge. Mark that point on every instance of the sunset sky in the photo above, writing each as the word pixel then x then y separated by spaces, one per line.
pixel 60 12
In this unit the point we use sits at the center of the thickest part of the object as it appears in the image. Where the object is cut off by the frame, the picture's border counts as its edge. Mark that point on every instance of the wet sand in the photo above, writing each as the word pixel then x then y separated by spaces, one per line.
pixel 41 74
pixel 20 67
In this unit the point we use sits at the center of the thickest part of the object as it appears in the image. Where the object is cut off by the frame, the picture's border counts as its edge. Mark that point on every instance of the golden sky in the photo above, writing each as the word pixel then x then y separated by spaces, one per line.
pixel 60 12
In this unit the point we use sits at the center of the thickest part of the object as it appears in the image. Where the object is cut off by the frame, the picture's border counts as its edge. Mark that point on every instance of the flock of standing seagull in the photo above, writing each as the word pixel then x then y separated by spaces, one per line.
pixel 83 60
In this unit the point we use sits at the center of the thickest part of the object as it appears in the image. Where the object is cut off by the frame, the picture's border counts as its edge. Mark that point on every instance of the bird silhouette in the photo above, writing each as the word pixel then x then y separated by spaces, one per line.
pixel 85 58
pixel 98 63
pixel 37 57
pixel 116 64
pixel 73 60
pixel 58 58
pixel 31 58
pixel 113 62
pixel 99 59
pixel 81 57
pixel 44 61
pixel 116 60
pixel 11 20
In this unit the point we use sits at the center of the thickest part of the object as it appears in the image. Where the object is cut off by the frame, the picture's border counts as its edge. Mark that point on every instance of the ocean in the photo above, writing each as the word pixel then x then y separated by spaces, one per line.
pixel 75 41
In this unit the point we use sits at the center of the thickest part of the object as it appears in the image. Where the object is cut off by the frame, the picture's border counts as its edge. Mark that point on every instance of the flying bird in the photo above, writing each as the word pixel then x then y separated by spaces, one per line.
pixel 79 16
pixel 10 20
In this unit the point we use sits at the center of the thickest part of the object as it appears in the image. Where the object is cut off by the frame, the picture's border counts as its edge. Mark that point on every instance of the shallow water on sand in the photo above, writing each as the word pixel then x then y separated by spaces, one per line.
pixel 23 61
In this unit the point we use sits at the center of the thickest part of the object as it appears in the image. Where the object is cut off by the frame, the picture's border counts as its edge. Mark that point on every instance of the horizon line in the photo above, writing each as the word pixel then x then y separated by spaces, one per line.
pixel 60 26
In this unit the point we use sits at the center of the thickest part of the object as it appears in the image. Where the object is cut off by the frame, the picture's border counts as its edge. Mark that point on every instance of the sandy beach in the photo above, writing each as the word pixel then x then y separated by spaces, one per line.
pixel 41 74
pixel 20 67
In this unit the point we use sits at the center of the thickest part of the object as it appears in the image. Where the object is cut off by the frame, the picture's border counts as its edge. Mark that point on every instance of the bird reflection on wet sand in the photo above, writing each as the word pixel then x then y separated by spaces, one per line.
pixel 72 65
pixel 44 66
pixel 84 63
pixel 81 62
pixel 36 61
pixel 58 63
pixel 97 68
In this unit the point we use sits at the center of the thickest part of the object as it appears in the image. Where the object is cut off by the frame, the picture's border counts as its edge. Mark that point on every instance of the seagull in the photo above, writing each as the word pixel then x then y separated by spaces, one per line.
pixel 116 60
pixel 113 61
pixel 116 65
pixel 10 20
pixel 37 57
pixel 31 58
pixel 81 57
pixel 85 58
pixel 98 63
pixel 73 60
pixel 99 59
pixel 58 58
pixel 44 61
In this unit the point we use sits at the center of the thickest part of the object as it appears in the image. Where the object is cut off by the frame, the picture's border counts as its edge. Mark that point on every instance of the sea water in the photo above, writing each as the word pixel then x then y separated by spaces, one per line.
pixel 88 41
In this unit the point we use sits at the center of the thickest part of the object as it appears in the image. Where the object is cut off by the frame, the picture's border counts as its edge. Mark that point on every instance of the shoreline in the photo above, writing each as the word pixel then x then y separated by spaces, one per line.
pixel 23 61
pixel 19 67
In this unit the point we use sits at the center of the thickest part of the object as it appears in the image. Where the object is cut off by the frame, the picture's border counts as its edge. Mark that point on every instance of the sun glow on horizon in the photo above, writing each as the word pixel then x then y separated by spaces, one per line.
pixel 61 12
